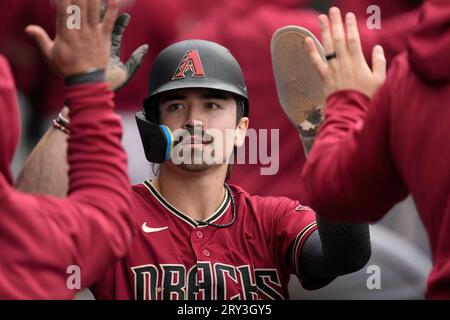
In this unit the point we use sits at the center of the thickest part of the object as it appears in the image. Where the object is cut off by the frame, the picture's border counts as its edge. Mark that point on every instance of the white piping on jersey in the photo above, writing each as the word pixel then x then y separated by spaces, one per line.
pixel 223 207
pixel 297 242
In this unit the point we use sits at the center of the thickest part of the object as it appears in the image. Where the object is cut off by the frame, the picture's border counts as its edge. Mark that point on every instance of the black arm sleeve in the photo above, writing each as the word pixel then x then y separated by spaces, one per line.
pixel 336 248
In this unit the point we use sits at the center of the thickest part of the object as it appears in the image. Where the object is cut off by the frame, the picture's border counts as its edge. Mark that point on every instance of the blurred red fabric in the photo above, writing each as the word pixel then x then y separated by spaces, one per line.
pixel 151 23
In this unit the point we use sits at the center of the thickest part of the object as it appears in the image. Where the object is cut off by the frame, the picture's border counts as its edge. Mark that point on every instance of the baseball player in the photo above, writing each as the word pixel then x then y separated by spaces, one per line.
pixel 198 237
pixel 377 146
pixel 42 236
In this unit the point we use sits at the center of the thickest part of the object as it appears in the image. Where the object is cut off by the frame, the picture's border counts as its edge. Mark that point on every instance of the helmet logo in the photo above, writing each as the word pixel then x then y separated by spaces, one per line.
pixel 190 63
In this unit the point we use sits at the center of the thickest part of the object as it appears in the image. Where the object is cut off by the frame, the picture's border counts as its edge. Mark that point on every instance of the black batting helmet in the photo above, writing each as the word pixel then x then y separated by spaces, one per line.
pixel 195 64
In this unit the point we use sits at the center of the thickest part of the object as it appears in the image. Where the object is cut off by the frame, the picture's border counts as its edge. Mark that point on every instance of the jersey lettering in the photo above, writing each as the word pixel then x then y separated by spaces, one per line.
pixel 205 282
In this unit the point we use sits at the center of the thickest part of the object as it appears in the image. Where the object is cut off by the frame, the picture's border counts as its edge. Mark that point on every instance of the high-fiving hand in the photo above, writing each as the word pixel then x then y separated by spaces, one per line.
pixel 346 67
pixel 78 51
pixel 119 73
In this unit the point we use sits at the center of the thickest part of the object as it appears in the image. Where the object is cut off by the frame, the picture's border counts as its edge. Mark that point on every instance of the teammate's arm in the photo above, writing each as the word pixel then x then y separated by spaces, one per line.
pixel 46 168
pixel 43 236
pixel 350 173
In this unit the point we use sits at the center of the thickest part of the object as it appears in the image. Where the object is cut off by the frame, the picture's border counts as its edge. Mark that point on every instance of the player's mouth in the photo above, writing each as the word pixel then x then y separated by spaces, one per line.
pixel 195 140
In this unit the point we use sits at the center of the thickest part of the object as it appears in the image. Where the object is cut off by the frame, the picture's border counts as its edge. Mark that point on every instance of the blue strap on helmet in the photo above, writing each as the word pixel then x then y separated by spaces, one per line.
pixel 169 139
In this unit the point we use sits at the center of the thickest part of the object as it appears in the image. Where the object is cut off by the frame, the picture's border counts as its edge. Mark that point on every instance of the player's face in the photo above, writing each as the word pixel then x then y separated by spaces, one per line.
pixel 203 122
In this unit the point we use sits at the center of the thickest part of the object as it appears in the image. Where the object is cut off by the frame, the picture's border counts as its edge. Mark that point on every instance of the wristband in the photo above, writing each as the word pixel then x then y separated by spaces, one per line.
pixel 63 121
pixel 91 76
pixel 58 126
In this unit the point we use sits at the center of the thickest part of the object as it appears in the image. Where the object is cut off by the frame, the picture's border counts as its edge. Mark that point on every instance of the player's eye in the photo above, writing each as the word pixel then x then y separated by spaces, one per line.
pixel 212 106
pixel 175 107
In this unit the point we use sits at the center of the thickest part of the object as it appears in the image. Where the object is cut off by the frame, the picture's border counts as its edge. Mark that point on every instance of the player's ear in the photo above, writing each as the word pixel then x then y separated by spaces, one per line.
pixel 241 131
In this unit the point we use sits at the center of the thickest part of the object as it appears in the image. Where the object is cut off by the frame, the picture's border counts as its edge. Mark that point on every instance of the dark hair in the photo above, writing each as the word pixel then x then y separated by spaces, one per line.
pixel 240 111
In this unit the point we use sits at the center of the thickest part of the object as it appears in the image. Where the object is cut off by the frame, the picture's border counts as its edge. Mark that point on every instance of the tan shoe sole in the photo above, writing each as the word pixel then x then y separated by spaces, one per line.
pixel 300 88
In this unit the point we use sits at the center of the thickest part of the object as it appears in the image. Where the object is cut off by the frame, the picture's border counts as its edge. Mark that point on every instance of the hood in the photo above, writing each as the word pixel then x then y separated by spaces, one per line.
pixel 429 45
pixel 9 119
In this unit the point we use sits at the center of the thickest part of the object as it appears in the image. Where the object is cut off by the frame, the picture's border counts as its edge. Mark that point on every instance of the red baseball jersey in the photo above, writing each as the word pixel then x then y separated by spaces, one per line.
pixel 173 257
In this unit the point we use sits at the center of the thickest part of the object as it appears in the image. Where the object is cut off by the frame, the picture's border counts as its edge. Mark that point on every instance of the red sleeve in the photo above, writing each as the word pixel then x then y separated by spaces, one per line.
pixel 292 227
pixel 42 236
pixel 350 173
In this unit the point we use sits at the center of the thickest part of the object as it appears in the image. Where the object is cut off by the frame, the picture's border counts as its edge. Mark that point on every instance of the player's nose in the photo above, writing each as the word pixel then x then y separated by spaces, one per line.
pixel 194 126
pixel 194 117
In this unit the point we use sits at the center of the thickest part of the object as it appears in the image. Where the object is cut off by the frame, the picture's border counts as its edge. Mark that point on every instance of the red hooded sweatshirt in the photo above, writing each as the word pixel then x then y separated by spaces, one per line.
pixel 369 155
pixel 41 236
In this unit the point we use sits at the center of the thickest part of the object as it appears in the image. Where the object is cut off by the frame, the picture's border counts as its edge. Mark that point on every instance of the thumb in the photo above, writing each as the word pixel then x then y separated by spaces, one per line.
pixel 378 63
pixel 41 38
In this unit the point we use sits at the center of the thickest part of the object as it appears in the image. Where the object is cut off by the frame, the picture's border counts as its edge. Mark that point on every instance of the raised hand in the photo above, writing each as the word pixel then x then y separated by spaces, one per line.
pixel 118 73
pixel 346 67
pixel 81 50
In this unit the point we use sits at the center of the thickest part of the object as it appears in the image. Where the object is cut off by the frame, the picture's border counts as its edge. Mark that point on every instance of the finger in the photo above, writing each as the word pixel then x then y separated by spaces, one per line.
pixel 103 8
pixel 41 38
pixel 110 16
pixel 119 28
pixel 353 39
pixel 61 18
pixel 316 58
pixel 83 5
pixel 378 63
pixel 337 30
pixel 136 59
pixel 93 12
pixel 327 40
